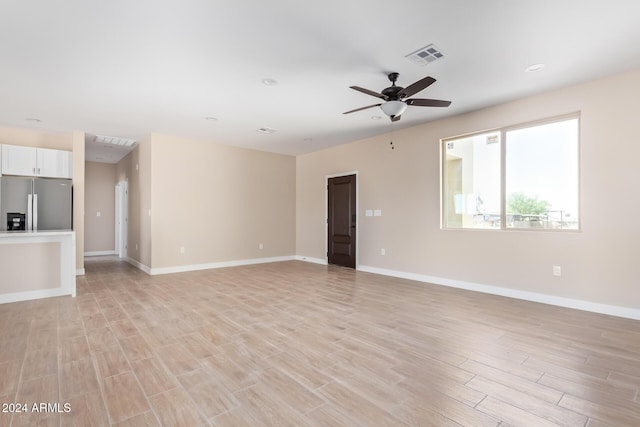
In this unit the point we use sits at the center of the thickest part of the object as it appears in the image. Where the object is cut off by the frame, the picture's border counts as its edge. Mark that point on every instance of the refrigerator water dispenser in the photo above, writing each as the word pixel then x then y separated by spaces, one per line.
pixel 15 221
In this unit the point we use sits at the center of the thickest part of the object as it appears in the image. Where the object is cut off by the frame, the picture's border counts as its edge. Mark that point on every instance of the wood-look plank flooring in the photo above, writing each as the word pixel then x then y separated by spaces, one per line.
pixel 297 344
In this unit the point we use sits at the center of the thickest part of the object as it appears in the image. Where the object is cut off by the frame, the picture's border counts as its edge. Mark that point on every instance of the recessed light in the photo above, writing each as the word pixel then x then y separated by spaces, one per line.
pixel 267 130
pixel 376 117
pixel 269 82
pixel 533 68
pixel 211 119
pixel 33 120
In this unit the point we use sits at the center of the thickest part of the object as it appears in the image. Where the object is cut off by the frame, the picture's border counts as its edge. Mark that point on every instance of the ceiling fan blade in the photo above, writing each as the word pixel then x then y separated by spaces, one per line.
pixel 369 92
pixel 428 102
pixel 362 108
pixel 395 118
pixel 416 87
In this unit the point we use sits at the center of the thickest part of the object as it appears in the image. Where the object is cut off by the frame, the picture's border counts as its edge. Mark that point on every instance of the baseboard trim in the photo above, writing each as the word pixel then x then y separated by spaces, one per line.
pixel 612 310
pixel 196 267
pixel 31 295
pixel 100 253
pixel 80 272
pixel 312 260
pixel 138 265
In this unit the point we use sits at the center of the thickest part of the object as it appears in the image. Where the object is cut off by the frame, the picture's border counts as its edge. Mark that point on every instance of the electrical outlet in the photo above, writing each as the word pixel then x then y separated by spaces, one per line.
pixel 557 270
pixel 98 213
pixel 136 246
pixel 383 251
pixel 181 249
pixel 260 246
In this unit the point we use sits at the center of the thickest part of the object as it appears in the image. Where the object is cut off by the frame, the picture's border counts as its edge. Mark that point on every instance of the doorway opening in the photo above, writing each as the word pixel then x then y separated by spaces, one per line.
pixel 342 230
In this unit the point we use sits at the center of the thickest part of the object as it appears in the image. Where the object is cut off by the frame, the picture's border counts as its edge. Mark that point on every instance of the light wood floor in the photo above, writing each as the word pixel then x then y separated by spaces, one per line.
pixel 296 344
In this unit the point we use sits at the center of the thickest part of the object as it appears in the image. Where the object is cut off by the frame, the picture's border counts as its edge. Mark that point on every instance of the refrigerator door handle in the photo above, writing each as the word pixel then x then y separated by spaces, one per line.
pixel 29 211
pixel 35 211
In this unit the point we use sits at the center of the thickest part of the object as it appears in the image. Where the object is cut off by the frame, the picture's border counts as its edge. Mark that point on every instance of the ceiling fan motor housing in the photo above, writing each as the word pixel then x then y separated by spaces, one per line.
pixel 392 92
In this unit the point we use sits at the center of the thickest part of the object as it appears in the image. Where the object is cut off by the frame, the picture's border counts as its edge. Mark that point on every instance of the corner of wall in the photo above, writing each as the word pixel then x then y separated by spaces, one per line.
pixel 78 195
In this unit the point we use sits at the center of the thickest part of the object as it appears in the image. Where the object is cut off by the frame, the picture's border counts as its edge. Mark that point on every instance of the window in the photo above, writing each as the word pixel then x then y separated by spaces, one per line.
pixel 522 177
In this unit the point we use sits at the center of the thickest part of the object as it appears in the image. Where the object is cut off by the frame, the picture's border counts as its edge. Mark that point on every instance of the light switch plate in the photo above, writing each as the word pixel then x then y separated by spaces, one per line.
pixel 377 212
pixel 368 212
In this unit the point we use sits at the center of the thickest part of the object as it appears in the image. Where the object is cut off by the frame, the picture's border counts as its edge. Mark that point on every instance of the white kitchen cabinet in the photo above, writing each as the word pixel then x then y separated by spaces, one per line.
pixel 18 160
pixel 54 163
pixel 41 162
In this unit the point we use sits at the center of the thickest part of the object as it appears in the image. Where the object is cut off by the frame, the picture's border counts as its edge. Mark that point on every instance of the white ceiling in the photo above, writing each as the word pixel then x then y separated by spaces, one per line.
pixel 128 68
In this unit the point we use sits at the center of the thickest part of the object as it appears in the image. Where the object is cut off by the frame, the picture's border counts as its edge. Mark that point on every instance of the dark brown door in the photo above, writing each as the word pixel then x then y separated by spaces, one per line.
pixel 342 221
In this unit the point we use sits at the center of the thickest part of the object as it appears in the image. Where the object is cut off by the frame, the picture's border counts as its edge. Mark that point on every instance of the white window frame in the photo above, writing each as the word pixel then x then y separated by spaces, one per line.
pixel 503 162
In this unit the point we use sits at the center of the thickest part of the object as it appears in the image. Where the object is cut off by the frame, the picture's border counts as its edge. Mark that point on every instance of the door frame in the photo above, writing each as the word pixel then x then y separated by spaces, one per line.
pixel 122 219
pixel 326 214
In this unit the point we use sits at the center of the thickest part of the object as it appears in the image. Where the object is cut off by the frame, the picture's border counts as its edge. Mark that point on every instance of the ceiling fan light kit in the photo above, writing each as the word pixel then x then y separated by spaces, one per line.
pixel 393 108
pixel 394 95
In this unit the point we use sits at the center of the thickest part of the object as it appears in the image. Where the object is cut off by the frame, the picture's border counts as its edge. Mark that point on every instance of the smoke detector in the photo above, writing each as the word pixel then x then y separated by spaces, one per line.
pixel 425 55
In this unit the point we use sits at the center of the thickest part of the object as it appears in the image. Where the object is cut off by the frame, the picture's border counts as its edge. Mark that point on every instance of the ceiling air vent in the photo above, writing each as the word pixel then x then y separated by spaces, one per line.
pixel 101 139
pixel 425 55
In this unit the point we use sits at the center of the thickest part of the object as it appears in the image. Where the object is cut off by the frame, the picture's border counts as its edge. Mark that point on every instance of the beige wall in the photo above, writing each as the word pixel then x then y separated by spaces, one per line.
pixel 599 263
pixel 33 138
pixel 123 168
pixel 135 168
pixel 78 196
pixel 18 274
pixel 144 166
pixel 100 181
pixel 219 203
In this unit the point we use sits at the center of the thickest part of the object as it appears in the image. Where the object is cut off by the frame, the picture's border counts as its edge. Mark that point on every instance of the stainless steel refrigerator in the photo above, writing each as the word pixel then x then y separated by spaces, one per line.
pixel 46 203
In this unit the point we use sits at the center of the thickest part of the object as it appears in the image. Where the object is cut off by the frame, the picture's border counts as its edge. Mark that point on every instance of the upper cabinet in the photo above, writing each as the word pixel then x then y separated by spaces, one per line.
pixel 54 163
pixel 18 160
pixel 41 162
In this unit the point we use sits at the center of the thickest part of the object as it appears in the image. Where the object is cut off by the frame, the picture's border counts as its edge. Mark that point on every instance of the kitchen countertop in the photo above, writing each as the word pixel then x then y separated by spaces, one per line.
pixel 39 233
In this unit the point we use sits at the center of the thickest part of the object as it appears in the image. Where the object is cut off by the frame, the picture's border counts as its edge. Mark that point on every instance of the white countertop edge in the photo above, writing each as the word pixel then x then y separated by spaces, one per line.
pixel 38 233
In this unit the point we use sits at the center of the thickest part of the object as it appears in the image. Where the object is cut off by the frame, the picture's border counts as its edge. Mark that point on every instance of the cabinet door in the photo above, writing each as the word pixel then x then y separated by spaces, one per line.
pixel 54 163
pixel 18 160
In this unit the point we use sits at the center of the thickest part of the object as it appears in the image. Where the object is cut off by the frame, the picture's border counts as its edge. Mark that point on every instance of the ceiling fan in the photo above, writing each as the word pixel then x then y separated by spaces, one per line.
pixel 395 104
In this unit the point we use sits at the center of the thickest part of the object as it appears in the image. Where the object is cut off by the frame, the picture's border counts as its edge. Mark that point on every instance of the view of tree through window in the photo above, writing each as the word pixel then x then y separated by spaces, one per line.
pixel 538 165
